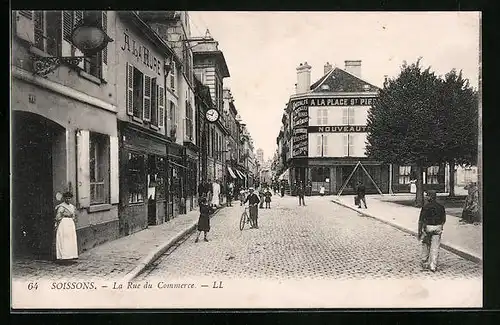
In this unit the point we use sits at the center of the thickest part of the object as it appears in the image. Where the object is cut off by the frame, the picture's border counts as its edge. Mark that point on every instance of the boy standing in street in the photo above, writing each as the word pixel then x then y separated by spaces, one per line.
pixel 361 191
pixel 430 228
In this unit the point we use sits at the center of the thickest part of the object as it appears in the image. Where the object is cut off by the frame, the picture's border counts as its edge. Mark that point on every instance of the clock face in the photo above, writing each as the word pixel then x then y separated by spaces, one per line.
pixel 212 115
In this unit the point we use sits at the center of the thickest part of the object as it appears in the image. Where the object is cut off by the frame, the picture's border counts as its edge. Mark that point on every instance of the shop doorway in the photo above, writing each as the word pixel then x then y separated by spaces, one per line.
pixel 35 159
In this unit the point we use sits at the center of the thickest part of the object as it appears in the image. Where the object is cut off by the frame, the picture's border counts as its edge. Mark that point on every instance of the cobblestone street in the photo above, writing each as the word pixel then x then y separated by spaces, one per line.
pixel 319 241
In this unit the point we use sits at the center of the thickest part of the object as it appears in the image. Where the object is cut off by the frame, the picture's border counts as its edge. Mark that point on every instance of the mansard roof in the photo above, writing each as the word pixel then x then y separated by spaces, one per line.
pixel 339 80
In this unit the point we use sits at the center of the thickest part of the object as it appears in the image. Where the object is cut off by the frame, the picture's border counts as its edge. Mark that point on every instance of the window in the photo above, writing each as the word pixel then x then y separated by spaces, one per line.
pixel 325 145
pixel 432 175
pixel 189 120
pixel 404 174
pixel 319 144
pixel 99 168
pixel 348 142
pixel 345 115
pixel 172 118
pixel 322 116
pixel 351 115
pixel 48 31
pixel 93 65
pixel 154 102
pixel 136 178
pixel 173 73
pixel 138 89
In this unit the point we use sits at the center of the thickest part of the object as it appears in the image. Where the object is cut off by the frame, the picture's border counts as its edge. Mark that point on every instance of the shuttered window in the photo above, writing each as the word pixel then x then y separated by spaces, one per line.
pixel 154 102
pixel 138 93
pixel 161 106
pixel 147 98
pixel 351 115
pixel 99 168
pixel 39 41
pixel 130 89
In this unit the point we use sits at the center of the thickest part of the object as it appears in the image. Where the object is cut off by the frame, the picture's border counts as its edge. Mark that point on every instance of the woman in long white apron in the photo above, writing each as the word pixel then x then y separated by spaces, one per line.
pixel 66 242
pixel 215 194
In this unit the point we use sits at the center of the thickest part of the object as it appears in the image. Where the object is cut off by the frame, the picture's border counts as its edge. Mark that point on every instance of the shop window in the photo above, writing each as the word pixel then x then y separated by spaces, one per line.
pixel 136 178
pixel 404 174
pixel 320 174
pixel 99 168
pixel 433 175
pixel 156 177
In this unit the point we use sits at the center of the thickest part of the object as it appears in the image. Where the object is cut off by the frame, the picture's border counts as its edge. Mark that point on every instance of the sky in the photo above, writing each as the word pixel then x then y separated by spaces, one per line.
pixel 263 49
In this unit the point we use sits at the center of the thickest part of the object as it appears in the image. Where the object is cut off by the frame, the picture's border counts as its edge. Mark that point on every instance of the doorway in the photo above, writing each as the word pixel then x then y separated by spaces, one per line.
pixel 33 157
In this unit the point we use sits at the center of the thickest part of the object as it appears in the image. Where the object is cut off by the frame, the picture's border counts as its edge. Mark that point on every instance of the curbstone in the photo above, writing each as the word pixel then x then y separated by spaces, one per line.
pixel 462 252
pixel 155 254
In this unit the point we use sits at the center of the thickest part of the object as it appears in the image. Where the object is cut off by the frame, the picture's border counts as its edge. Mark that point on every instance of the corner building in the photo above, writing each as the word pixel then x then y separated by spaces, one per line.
pixel 328 130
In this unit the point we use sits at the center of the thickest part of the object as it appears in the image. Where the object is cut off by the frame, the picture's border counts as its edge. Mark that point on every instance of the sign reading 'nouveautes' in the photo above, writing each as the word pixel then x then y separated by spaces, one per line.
pixel 337 128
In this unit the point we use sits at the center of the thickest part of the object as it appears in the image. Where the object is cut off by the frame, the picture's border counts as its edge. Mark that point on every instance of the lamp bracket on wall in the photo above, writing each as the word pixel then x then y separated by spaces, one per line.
pixel 42 66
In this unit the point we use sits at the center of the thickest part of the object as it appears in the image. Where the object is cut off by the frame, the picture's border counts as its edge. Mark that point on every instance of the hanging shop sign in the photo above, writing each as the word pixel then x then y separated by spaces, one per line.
pixel 337 129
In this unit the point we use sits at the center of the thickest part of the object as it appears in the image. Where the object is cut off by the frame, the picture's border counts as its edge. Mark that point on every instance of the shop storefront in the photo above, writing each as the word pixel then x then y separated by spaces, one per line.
pixel 143 178
pixel 176 188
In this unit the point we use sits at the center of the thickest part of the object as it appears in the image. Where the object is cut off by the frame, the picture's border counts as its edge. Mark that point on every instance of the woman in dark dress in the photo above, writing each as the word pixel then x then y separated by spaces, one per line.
pixel 204 220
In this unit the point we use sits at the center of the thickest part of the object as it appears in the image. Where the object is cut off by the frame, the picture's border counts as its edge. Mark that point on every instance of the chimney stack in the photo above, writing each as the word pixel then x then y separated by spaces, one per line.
pixel 303 78
pixel 386 80
pixel 353 67
pixel 328 67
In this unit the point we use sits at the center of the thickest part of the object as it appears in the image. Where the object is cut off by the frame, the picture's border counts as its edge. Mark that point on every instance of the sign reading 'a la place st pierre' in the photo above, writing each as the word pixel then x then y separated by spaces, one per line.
pixel 334 101
pixel 337 129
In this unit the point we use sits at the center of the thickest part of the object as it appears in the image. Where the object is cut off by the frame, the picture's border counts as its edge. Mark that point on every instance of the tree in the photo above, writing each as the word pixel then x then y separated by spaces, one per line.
pixel 460 123
pixel 404 125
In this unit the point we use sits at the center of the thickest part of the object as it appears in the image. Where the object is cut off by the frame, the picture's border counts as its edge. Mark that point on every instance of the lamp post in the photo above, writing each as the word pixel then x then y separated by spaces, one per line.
pixel 87 36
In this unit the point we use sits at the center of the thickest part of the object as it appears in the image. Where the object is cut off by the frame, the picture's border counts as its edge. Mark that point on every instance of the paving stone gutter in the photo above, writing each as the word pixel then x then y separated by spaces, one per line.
pixel 462 252
pixel 162 248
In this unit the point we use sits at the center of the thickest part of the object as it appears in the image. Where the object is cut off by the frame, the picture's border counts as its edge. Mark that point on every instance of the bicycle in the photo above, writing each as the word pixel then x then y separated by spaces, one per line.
pixel 245 218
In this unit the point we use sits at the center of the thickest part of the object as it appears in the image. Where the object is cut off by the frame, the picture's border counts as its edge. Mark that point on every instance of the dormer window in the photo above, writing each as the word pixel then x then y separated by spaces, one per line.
pixel 366 87
pixel 325 87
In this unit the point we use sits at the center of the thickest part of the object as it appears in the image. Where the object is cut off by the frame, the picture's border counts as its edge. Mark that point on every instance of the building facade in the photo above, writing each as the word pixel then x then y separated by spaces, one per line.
pixel 210 68
pixel 327 136
pixel 141 89
pixel 64 133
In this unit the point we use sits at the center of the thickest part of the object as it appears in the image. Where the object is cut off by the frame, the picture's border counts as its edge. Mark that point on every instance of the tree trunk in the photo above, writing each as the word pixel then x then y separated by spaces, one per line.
pixel 419 196
pixel 452 179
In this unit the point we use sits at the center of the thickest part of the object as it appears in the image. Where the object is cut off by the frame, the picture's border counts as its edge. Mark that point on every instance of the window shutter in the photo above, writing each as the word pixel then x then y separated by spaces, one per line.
pixel 325 145
pixel 25 26
pixel 67 27
pixel 39 30
pixel 114 184
pixel 130 89
pixel 161 106
pixel 83 167
pixel 318 145
pixel 78 17
pixel 146 113
pixel 346 144
pixel 104 53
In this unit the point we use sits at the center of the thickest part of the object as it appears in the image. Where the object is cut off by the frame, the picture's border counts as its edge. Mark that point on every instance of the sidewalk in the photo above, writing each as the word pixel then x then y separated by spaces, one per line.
pixel 122 258
pixel 464 240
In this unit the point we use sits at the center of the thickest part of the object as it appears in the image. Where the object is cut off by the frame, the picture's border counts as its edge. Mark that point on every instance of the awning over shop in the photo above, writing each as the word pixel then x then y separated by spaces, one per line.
pixel 231 172
pixel 284 175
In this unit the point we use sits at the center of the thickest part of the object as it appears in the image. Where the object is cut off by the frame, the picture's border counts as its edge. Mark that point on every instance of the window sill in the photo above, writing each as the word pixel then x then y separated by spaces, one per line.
pixel 38 52
pixel 154 127
pixel 90 77
pixel 136 119
pixel 99 207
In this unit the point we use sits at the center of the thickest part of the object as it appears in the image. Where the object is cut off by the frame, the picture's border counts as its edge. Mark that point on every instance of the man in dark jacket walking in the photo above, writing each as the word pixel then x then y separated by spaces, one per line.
pixel 300 192
pixel 430 228
pixel 360 192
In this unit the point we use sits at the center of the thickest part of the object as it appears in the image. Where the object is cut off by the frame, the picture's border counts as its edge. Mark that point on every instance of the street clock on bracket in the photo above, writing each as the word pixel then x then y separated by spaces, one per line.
pixel 212 115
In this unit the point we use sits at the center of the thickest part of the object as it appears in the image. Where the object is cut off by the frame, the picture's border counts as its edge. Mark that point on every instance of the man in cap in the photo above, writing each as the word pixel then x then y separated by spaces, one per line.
pixel 430 227
pixel 253 202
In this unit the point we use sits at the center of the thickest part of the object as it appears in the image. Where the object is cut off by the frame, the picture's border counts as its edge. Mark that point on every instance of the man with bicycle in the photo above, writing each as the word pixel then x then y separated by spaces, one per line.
pixel 253 207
